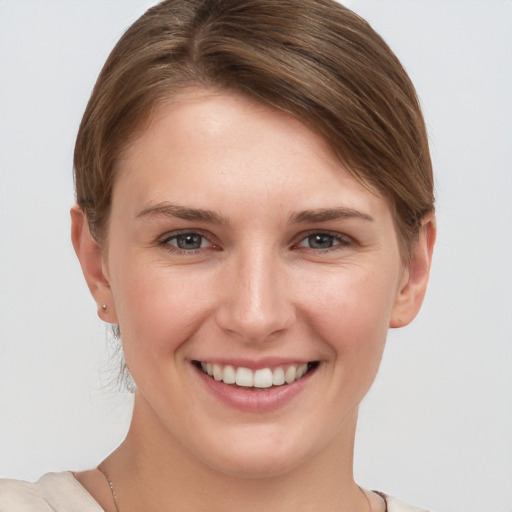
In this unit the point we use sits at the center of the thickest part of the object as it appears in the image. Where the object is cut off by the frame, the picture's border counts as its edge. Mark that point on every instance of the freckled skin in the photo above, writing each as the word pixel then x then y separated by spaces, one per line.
pixel 252 285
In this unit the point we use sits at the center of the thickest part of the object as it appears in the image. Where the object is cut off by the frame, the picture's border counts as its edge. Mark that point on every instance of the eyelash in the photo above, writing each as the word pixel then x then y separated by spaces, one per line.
pixel 175 236
pixel 337 240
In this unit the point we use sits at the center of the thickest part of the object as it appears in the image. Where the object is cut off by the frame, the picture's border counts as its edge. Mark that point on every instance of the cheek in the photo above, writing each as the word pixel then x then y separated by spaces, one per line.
pixel 351 310
pixel 158 308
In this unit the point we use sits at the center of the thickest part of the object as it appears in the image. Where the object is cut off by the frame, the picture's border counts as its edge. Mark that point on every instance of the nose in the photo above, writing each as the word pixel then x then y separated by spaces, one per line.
pixel 256 304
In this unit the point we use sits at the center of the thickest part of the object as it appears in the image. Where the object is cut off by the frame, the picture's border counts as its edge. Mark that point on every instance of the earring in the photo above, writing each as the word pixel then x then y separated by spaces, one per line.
pixel 104 308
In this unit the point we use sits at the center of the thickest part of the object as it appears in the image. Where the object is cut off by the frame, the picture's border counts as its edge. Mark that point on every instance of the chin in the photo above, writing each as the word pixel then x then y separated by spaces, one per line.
pixel 248 459
pixel 255 467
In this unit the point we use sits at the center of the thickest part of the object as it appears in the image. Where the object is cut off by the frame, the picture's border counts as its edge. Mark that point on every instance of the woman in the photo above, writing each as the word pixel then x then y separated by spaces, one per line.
pixel 254 211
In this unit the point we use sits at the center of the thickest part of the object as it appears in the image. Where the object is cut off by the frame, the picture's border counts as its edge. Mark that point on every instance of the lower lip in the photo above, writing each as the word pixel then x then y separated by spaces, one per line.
pixel 251 399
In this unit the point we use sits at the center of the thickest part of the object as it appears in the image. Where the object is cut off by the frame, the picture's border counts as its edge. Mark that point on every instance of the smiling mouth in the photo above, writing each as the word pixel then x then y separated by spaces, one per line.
pixel 263 378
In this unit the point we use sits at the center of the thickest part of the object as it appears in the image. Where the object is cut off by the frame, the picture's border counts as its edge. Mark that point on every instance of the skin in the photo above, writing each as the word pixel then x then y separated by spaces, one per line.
pixel 256 288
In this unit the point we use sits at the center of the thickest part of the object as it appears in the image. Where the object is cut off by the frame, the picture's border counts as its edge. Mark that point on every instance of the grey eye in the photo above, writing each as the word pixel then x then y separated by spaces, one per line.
pixel 325 240
pixel 188 241
pixel 321 240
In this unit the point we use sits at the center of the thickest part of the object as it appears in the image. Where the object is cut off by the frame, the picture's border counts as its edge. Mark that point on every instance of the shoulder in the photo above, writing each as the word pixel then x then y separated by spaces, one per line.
pixel 396 505
pixel 53 492
pixel 21 496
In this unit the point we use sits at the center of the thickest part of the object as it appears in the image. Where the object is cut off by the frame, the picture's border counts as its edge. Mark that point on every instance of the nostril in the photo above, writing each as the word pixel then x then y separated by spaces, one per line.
pixel 253 304
pixel 256 325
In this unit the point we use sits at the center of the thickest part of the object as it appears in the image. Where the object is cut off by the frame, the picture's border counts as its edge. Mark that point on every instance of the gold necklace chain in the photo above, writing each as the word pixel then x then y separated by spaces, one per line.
pixel 116 505
pixel 110 484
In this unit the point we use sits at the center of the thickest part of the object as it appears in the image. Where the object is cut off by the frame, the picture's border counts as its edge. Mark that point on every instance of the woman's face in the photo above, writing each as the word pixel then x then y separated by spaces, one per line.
pixel 239 246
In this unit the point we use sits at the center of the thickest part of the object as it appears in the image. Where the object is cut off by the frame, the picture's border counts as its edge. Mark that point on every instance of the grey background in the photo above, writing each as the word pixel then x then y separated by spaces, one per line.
pixel 436 429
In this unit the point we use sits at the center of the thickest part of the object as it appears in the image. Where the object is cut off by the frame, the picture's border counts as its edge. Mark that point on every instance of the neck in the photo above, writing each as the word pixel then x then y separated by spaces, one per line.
pixel 150 472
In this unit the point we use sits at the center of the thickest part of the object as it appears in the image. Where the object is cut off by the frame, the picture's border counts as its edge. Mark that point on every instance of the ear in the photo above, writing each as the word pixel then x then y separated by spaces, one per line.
pixel 414 283
pixel 93 265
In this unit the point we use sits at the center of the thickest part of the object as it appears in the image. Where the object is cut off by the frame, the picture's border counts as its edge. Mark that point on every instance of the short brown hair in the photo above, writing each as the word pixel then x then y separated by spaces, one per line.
pixel 314 59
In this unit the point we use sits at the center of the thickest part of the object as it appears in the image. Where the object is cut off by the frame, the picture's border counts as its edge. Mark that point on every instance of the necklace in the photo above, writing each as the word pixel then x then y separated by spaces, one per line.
pixel 114 495
pixel 110 484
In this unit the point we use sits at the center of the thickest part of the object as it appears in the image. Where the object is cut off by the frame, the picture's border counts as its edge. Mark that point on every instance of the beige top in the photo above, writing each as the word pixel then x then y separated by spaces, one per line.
pixel 61 492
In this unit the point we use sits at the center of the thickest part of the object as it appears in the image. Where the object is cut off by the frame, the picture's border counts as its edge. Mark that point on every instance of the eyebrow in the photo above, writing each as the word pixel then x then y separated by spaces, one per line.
pixel 326 214
pixel 167 209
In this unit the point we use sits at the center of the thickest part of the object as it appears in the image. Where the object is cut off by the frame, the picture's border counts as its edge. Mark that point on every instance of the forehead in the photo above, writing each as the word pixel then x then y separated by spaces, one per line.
pixel 210 146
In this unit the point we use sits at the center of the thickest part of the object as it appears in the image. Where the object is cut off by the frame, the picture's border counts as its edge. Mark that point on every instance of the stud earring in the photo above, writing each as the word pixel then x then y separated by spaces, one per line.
pixel 104 307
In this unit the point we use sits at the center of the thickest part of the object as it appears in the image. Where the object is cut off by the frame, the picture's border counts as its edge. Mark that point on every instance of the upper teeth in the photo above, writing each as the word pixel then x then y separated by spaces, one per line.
pixel 262 378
